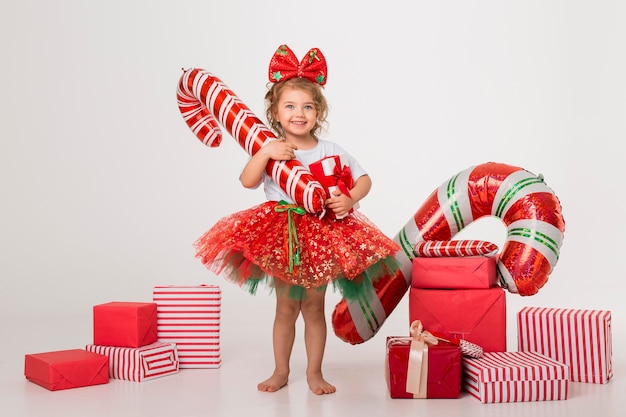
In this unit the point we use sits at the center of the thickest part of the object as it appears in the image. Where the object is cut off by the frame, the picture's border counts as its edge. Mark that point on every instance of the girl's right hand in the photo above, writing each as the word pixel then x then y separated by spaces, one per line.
pixel 279 150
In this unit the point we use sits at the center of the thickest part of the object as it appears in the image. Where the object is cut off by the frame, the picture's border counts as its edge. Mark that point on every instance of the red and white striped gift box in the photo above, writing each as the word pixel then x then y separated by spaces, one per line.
pixel 504 377
pixel 579 338
pixel 190 317
pixel 139 364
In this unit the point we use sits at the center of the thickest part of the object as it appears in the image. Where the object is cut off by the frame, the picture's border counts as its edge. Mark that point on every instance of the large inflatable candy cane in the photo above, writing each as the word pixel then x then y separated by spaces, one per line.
pixel 203 100
pixel 524 203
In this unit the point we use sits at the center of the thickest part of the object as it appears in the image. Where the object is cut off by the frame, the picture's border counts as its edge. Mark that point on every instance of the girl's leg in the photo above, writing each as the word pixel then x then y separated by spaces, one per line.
pixel 315 340
pixel 283 335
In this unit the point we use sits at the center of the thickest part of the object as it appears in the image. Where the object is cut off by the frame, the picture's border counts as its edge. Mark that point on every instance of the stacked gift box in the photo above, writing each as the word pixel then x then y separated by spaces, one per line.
pixel 139 341
pixel 456 293
pixel 555 346
pixel 126 332
pixel 456 297
pixel 457 301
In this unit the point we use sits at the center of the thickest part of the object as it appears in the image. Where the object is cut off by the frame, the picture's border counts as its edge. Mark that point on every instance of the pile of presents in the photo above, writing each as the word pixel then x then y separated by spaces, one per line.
pixel 139 341
pixel 458 341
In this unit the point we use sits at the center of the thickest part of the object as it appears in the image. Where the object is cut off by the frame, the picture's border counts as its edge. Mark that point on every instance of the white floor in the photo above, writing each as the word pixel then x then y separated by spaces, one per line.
pixel 357 371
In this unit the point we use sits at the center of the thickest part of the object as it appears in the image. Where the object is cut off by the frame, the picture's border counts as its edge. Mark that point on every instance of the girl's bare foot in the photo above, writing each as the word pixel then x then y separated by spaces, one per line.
pixel 319 385
pixel 273 383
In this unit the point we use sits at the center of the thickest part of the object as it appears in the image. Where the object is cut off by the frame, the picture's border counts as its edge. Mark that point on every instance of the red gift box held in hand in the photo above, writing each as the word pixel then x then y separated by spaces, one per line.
pixel 334 173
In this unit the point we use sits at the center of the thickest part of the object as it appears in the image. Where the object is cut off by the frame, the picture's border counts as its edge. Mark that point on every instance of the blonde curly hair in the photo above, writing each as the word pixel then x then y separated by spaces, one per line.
pixel 315 90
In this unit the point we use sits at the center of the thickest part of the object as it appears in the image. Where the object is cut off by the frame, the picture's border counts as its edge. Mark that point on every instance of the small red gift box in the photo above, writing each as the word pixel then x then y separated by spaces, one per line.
pixel 125 324
pixel 504 377
pixel 65 369
pixel 333 172
pixel 142 363
pixel 415 369
pixel 581 339
pixel 464 272
pixel 475 315
pixel 190 317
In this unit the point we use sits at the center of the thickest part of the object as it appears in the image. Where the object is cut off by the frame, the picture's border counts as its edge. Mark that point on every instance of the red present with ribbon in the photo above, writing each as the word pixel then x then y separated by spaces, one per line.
pixel 422 366
pixel 64 369
pixel 333 172
pixel 125 324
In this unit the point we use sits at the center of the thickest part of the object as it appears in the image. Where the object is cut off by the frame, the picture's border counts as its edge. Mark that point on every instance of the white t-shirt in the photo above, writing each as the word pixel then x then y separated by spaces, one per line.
pixel 324 148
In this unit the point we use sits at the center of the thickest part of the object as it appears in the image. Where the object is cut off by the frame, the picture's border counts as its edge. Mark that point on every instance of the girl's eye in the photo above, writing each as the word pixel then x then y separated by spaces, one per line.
pixel 308 107
pixel 289 106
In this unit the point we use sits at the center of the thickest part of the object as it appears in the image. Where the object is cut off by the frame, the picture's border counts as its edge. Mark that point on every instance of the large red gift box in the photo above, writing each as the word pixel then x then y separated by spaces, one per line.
pixel 462 272
pixel 581 339
pixel 125 324
pixel 441 370
pixel 65 369
pixel 139 364
pixel 503 377
pixel 475 315
pixel 333 172
pixel 190 317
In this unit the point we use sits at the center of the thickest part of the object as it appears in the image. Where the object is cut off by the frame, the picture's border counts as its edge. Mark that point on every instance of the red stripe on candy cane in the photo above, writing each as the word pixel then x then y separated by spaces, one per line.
pixel 205 103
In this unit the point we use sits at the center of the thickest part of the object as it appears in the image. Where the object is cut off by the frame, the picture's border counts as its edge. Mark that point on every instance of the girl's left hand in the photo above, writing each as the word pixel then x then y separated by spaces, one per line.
pixel 339 203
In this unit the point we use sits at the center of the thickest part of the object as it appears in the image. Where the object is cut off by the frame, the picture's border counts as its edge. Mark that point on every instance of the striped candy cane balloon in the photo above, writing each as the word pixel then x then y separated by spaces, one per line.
pixel 525 204
pixel 204 100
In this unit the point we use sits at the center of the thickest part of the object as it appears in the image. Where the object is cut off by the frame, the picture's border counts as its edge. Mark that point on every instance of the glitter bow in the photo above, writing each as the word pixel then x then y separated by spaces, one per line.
pixel 284 65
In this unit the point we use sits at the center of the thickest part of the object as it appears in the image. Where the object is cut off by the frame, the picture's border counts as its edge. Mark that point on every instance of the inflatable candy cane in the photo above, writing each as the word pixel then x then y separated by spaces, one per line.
pixel 203 100
pixel 524 203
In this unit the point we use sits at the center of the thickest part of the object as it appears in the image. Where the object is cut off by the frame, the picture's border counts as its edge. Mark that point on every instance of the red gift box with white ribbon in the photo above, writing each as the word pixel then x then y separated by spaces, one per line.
pixel 126 324
pixel 422 366
pixel 580 338
pixel 504 377
pixel 333 172
pixel 190 317
pixel 140 364
pixel 64 369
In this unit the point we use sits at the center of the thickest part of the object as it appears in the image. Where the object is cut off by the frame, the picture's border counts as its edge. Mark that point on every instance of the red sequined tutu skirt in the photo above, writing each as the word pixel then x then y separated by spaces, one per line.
pixel 269 242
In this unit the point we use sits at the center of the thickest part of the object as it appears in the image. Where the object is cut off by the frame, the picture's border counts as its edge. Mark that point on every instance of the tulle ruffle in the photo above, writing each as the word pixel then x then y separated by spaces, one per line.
pixel 254 247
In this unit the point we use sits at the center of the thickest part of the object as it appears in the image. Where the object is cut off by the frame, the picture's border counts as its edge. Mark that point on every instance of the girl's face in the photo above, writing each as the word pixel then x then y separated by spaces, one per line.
pixel 296 113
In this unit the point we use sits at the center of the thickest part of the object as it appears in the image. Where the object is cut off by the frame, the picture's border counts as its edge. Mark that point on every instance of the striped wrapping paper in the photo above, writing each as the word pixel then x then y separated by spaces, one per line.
pixel 439 248
pixel 190 317
pixel 504 377
pixel 139 364
pixel 579 338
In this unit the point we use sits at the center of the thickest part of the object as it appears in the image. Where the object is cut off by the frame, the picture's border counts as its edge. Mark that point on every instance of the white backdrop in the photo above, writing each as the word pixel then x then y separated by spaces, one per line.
pixel 105 188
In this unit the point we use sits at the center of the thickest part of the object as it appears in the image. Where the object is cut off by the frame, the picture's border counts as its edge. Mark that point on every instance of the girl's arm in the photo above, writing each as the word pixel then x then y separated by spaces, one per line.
pixel 253 171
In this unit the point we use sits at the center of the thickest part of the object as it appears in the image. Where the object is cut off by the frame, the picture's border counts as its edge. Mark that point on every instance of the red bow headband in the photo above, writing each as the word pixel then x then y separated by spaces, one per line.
pixel 284 65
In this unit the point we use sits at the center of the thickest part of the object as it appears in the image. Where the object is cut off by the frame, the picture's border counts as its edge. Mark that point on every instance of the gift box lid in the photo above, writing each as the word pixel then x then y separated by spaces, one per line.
pixel 514 366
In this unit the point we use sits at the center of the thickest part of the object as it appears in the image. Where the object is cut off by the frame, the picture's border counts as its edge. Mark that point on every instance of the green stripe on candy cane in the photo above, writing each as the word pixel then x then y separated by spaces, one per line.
pixel 405 243
pixel 536 236
pixel 368 313
pixel 540 235
pixel 513 191
pixel 454 204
